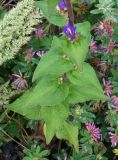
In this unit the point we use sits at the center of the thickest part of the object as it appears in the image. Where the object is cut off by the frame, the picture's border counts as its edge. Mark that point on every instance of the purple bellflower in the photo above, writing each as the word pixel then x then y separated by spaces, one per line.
pixel 70 31
pixel 62 5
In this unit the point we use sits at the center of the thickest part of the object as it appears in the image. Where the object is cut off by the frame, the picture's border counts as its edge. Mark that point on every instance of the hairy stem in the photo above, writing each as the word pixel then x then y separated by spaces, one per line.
pixel 70 11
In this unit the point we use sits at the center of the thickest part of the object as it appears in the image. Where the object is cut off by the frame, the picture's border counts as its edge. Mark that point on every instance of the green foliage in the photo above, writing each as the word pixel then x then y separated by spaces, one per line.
pixel 82 114
pixel 2 12
pixel 108 8
pixel 85 85
pixel 6 93
pixel 37 44
pixel 55 119
pixel 51 5
pixel 51 14
pixel 61 78
pixel 35 153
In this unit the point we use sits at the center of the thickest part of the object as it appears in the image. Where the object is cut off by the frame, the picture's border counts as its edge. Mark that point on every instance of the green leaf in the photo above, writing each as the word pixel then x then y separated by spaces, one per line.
pixel 52 5
pixel 55 119
pixel 115 90
pixel 46 93
pixel 53 17
pixel 84 29
pixel 13 130
pixel 95 11
pixel 85 85
pixel 114 74
pixel 70 133
pixel 53 63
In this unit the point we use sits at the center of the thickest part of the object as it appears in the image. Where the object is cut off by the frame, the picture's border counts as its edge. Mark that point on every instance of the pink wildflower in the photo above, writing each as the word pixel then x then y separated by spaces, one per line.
pixel 114 139
pixel 19 82
pixel 31 52
pixel 107 87
pixel 40 53
pixel 39 33
pixel 110 47
pixel 94 131
pixel 93 46
pixel 104 29
pixel 62 5
pixel 114 101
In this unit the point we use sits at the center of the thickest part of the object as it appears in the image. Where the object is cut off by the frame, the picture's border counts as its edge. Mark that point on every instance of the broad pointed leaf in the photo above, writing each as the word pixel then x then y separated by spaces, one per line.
pixel 70 133
pixel 55 119
pixel 85 85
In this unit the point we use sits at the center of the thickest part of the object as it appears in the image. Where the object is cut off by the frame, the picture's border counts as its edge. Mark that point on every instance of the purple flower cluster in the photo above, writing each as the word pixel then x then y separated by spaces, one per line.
pixel 103 29
pixel 31 53
pixel 114 101
pixel 114 139
pixel 19 81
pixel 93 46
pixel 70 31
pixel 110 47
pixel 40 53
pixel 108 86
pixel 93 131
pixel 39 33
pixel 62 5
pixel 106 49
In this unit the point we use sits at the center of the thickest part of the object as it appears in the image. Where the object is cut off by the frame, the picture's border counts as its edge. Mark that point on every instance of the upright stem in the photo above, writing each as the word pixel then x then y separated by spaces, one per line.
pixel 70 11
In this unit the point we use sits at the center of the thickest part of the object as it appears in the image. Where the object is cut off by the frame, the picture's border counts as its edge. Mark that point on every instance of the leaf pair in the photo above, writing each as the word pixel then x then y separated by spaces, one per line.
pixel 49 99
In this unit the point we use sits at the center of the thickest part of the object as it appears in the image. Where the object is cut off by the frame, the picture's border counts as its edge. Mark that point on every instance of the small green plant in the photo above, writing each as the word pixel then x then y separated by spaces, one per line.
pixel 108 8
pixel 35 153
pixel 61 79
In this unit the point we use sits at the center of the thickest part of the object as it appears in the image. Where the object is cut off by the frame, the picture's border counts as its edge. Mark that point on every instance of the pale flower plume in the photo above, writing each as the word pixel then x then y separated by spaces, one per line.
pixel 16 28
